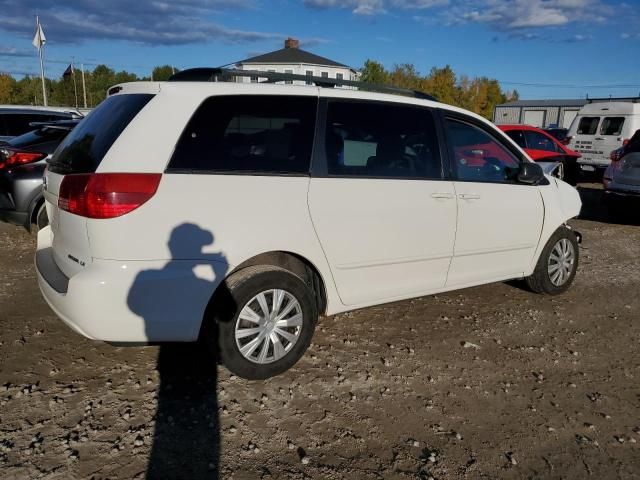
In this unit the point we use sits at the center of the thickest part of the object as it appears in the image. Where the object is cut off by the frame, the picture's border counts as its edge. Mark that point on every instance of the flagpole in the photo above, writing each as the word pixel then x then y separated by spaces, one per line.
pixel 44 88
pixel 84 88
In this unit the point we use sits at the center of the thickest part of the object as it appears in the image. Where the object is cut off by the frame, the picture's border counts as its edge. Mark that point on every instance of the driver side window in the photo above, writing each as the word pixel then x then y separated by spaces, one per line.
pixel 478 156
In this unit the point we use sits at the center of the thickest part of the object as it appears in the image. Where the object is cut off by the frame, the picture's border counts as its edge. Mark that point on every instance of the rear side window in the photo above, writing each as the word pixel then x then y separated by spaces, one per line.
pixel 588 125
pixel 518 137
pixel 612 126
pixel 83 149
pixel 381 140
pixel 261 134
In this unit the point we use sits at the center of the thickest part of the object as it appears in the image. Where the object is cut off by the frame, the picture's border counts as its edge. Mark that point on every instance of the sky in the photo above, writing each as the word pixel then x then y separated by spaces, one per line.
pixel 542 48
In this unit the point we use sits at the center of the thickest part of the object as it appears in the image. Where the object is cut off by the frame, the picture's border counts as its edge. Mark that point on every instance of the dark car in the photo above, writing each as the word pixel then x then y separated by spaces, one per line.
pixel 22 164
pixel 560 134
pixel 16 120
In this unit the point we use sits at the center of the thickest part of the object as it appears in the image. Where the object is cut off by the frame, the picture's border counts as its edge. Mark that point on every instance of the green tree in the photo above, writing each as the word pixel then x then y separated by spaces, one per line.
pixel 374 72
pixel 163 72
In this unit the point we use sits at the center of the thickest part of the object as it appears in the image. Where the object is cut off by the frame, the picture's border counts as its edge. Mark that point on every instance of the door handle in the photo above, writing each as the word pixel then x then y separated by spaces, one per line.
pixel 442 195
pixel 469 196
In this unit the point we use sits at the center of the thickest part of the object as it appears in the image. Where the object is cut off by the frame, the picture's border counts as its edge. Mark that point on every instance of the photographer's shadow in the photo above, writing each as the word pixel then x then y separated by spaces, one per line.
pixel 186 439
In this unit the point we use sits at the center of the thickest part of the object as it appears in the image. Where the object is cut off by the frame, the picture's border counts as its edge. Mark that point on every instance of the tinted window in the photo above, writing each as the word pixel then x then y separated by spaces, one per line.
pixel 538 141
pixel 249 133
pixel 39 136
pixel 479 156
pixel 18 123
pixel 588 125
pixel 612 126
pixel 381 140
pixel 518 137
pixel 83 149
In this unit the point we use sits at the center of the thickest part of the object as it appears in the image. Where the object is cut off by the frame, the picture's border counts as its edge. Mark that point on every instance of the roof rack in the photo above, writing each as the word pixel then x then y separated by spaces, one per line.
pixel 229 75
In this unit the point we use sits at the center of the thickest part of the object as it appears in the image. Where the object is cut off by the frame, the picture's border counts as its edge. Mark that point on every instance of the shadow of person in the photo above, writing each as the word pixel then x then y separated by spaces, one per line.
pixel 186 439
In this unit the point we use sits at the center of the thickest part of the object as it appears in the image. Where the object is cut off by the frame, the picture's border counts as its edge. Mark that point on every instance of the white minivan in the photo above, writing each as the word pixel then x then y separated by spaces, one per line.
pixel 238 213
pixel 601 127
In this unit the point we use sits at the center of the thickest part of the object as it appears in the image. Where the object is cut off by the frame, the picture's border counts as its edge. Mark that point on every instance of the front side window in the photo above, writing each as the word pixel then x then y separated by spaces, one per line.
pixel 588 125
pixel 381 140
pixel 538 141
pixel 479 156
pixel 612 126
pixel 250 134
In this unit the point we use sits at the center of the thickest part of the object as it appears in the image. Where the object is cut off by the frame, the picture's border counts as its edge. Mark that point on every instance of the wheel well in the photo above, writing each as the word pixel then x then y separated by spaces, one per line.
pixel 296 264
pixel 34 210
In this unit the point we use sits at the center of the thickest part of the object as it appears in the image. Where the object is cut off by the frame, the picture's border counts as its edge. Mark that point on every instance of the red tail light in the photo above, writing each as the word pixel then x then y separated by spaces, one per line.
pixel 106 195
pixel 625 142
pixel 12 158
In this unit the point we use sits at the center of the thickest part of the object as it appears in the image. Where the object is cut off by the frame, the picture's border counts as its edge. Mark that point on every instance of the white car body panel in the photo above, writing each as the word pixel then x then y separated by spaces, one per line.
pixel 371 240
pixel 384 238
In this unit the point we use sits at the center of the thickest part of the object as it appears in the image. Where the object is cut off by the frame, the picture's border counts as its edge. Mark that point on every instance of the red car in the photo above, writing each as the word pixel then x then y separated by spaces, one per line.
pixel 542 147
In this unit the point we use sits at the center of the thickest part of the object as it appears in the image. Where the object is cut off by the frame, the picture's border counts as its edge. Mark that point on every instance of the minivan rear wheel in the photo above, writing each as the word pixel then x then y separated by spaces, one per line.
pixel 557 265
pixel 265 318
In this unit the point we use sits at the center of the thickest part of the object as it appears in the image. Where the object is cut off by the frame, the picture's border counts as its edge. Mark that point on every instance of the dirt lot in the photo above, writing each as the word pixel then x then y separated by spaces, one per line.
pixel 544 388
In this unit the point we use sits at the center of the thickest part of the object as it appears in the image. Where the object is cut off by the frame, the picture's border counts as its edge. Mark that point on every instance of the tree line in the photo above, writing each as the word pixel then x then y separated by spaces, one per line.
pixel 61 91
pixel 479 94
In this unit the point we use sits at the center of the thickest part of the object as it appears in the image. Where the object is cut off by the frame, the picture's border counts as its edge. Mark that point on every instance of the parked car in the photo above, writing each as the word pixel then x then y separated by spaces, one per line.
pixel 16 119
pixel 238 213
pixel 621 179
pixel 542 147
pixel 600 128
pixel 560 134
pixel 22 164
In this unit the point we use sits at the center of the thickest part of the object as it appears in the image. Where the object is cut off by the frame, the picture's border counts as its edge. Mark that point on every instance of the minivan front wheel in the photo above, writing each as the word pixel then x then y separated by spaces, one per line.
pixel 266 317
pixel 557 265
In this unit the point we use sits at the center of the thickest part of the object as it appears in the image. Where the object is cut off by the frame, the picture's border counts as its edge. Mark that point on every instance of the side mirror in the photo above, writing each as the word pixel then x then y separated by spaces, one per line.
pixel 530 173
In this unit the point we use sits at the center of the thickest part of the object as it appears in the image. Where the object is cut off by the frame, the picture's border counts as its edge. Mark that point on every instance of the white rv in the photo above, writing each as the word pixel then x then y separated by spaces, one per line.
pixel 600 128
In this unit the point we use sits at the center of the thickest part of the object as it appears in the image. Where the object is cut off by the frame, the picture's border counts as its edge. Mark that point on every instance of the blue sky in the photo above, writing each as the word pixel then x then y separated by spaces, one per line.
pixel 543 48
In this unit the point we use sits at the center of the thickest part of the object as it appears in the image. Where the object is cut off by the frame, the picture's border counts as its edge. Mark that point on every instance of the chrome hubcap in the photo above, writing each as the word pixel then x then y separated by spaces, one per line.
pixel 561 262
pixel 268 326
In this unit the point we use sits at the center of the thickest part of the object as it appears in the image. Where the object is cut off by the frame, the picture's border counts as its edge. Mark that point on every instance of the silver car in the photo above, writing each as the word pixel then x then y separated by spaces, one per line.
pixel 622 178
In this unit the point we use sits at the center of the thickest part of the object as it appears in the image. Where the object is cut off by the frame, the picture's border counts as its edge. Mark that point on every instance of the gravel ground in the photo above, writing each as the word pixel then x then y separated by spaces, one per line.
pixel 488 382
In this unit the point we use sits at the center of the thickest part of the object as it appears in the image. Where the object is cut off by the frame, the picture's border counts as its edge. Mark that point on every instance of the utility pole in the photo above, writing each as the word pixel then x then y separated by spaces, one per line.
pixel 84 87
pixel 75 88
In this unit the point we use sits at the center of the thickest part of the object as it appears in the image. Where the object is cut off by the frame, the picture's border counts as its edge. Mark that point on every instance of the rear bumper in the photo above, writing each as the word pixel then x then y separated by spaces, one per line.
pixel 127 301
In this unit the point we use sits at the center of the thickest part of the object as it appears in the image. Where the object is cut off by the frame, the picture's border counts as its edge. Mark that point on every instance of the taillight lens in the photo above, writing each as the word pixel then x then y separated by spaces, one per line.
pixel 106 195
pixel 12 158
pixel 625 142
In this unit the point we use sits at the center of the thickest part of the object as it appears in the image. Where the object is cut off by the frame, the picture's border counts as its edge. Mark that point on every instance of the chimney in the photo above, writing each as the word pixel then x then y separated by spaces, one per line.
pixel 291 43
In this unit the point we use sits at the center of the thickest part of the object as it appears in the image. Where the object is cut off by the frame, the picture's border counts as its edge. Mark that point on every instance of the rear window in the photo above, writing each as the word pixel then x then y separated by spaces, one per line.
pixel 612 126
pixel 83 149
pixel 39 136
pixel 588 125
pixel 248 134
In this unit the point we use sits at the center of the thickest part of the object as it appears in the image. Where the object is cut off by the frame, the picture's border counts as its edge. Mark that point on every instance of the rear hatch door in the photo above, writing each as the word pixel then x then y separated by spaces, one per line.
pixel 81 153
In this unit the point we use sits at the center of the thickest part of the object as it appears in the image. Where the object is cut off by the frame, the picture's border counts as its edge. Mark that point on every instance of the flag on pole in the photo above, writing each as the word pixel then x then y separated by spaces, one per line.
pixel 68 72
pixel 39 39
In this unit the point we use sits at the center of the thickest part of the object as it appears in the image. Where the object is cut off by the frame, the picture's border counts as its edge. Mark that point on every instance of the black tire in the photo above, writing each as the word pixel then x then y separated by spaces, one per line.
pixel 237 291
pixel 540 281
pixel 42 220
